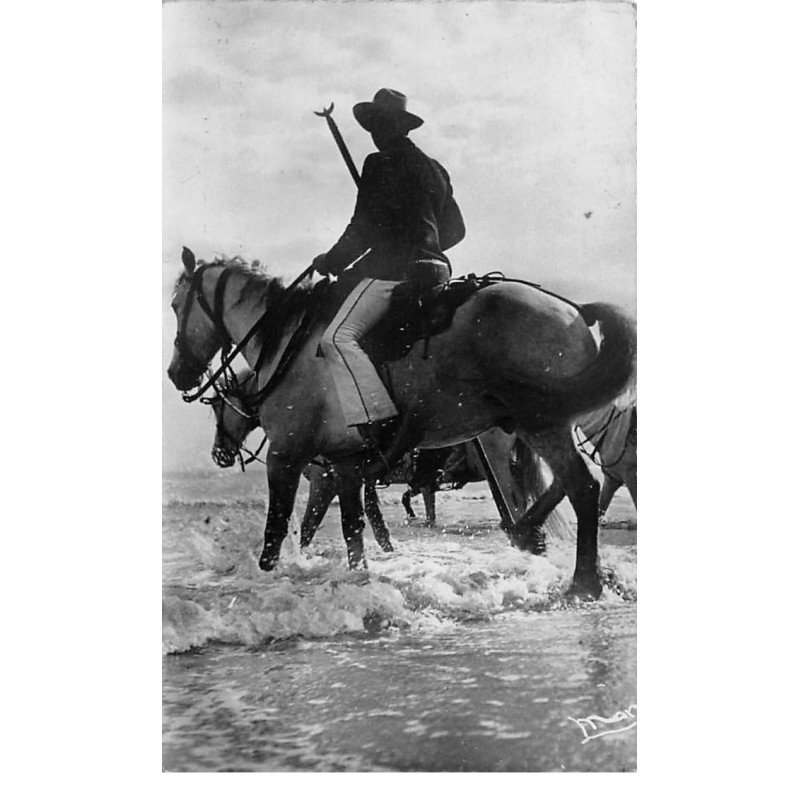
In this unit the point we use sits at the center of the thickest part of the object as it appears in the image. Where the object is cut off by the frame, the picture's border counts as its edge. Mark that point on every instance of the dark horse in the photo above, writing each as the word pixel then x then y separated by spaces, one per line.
pixel 606 436
pixel 424 471
pixel 236 420
pixel 514 357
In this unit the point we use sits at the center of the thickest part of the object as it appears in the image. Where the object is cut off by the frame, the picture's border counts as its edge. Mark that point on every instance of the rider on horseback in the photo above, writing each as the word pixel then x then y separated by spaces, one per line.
pixel 406 217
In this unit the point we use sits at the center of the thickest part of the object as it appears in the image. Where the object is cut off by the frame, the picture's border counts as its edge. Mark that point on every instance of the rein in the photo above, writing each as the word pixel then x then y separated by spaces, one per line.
pixel 227 357
pixel 221 394
pixel 602 431
pixel 253 456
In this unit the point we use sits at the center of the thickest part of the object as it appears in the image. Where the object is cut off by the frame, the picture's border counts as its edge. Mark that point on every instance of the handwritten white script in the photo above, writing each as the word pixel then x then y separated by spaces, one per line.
pixel 595 726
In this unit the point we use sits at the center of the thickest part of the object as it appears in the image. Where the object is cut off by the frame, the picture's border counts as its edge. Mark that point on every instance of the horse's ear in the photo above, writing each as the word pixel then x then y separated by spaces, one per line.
pixel 189 262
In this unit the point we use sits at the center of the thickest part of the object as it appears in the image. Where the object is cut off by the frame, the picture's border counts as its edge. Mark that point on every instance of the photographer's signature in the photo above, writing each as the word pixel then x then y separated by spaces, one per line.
pixel 595 726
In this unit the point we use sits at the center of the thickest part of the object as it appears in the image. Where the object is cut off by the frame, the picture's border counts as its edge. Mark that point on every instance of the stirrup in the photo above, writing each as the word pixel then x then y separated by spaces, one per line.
pixel 383 482
pixel 376 469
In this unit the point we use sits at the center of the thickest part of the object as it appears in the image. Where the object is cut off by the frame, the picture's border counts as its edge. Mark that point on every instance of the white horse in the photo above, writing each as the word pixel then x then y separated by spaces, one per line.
pixel 609 440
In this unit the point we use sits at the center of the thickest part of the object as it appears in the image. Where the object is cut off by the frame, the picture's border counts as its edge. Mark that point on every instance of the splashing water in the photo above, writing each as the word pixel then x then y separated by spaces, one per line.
pixel 214 590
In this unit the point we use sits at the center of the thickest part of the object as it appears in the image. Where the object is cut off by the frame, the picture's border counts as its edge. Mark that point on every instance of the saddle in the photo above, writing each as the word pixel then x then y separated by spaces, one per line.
pixel 413 314
pixel 416 315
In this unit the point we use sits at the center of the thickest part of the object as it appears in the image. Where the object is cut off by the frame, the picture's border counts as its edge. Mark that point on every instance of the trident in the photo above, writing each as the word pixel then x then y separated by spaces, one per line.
pixel 337 137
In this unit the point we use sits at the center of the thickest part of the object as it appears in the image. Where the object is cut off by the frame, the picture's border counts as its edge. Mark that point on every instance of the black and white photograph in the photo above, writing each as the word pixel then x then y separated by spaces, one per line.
pixel 327 323
pixel 399 396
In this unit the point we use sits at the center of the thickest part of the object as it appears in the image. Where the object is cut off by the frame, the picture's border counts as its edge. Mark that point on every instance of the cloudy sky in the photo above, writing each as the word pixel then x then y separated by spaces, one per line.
pixel 529 105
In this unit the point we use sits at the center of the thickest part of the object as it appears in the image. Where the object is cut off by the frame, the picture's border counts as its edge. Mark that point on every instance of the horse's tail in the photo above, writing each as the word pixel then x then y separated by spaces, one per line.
pixel 610 374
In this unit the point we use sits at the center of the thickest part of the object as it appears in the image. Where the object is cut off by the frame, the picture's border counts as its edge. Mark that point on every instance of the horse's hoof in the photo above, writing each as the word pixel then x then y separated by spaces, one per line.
pixel 589 588
pixel 373 622
pixel 430 523
pixel 535 545
pixel 386 546
pixel 358 563
pixel 528 538
pixel 267 562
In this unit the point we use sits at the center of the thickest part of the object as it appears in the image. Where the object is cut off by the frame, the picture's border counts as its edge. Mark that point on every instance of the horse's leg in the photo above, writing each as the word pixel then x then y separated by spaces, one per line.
pixel 582 489
pixel 321 491
pixel 407 495
pixel 283 476
pixel 429 496
pixel 348 484
pixel 610 485
pixel 373 509
pixel 531 497
pixel 527 533
pixel 630 482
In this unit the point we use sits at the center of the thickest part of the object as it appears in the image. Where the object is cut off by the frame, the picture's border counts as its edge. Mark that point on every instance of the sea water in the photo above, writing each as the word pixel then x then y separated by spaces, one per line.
pixel 456 652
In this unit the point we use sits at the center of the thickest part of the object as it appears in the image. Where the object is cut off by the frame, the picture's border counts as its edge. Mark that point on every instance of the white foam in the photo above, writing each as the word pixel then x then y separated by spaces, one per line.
pixel 430 584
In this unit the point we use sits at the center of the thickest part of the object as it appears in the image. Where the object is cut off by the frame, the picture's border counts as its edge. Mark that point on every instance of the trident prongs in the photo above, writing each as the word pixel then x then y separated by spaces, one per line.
pixel 326 112
pixel 337 137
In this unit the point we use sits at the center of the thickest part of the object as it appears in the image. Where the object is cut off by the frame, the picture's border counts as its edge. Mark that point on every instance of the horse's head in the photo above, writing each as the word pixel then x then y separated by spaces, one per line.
pixel 235 420
pixel 200 329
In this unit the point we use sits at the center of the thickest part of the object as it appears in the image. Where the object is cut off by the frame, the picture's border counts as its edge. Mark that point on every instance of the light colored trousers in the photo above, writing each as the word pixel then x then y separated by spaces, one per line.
pixel 361 392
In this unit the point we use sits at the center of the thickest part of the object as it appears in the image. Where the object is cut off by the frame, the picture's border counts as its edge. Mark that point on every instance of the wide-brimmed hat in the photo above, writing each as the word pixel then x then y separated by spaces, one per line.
pixel 387 104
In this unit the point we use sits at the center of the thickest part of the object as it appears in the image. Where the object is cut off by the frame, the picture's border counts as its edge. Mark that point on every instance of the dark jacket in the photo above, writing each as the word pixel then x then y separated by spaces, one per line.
pixel 406 214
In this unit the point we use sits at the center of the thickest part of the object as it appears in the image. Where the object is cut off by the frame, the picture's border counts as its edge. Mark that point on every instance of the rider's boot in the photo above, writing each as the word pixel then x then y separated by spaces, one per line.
pixel 389 440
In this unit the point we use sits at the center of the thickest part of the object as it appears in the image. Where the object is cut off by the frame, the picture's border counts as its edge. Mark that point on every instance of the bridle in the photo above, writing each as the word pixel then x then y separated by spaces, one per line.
pixel 227 354
pixel 235 449
pixel 214 314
